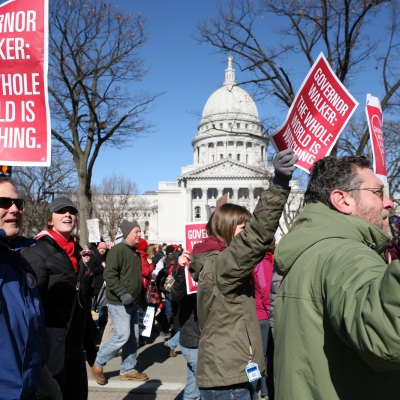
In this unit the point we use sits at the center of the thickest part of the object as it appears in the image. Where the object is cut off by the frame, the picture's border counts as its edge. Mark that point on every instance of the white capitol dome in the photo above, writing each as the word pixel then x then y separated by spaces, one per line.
pixel 230 127
pixel 230 102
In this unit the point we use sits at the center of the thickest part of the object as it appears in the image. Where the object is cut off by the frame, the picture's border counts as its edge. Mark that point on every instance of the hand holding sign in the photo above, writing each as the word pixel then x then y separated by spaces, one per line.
pixel 284 164
pixel 319 113
pixel 184 258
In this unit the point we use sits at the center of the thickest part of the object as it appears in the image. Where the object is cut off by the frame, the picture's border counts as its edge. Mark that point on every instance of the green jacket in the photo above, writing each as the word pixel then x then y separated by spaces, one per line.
pixel 225 298
pixel 337 311
pixel 123 271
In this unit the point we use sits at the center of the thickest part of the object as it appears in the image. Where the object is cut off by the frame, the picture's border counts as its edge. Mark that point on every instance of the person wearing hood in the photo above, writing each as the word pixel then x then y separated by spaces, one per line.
pixel 230 351
pixel 21 313
pixel 64 290
pixel 337 325
pixel 123 276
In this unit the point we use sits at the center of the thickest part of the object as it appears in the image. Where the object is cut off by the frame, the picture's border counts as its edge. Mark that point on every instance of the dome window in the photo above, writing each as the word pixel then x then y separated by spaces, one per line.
pixel 238 157
pixel 221 125
pixel 238 125
pixel 197 212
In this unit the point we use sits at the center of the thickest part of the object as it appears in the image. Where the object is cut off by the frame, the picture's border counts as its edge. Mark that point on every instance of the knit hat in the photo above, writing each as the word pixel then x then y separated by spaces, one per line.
pixel 102 245
pixel 59 203
pixel 86 252
pixel 127 226
pixel 142 245
pixel 169 249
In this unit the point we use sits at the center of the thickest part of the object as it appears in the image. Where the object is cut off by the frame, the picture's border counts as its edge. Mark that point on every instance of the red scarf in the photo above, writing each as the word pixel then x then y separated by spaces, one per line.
pixel 67 245
pixel 209 244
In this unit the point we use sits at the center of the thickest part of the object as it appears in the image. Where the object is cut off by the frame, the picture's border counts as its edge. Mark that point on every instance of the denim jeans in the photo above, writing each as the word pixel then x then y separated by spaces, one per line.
pixel 237 392
pixel 191 390
pixel 174 341
pixel 264 327
pixel 125 320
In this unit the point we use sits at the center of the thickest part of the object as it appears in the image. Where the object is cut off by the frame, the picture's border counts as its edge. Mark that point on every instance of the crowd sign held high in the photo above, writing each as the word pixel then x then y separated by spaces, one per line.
pixel 25 133
pixel 375 124
pixel 319 113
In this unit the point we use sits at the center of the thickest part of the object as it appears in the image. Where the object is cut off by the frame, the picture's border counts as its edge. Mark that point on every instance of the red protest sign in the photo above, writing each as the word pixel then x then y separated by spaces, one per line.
pixel 191 285
pixel 24 114
pixel 375 124
pixel 319 113
pixel 194 233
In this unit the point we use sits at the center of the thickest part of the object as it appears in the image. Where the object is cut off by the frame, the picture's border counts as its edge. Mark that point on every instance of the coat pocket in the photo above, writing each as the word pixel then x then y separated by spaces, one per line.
pixel 54 341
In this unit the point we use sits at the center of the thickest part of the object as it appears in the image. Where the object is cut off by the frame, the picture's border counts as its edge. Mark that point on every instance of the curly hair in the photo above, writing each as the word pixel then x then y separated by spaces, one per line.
pixel 332 173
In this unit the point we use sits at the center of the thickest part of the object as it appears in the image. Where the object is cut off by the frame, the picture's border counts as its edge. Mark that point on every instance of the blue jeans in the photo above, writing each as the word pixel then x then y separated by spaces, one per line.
pixel 237 392
pixel 264 327
pixel 174 341
pixel 125 320
pixel 191 390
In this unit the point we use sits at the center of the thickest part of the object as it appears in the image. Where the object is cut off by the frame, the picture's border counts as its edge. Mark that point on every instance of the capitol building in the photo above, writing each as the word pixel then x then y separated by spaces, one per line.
pixel 229 158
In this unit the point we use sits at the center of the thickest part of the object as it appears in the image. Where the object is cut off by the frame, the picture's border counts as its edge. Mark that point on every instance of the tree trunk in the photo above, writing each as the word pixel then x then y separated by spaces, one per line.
pixel 85 205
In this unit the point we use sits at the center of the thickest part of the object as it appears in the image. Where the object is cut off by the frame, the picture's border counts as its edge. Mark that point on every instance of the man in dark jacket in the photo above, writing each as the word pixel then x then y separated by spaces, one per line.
pixel 21 315
pixel 123 276
pixel 189 331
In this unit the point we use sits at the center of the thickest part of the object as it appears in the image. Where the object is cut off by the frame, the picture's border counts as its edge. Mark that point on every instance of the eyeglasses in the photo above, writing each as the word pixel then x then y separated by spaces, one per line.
pixel 379 190
pixel 7 202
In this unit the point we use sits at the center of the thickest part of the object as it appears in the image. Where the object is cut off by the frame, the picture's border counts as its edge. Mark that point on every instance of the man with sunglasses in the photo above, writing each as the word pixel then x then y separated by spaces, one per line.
pixel 337 311
pixel 21 316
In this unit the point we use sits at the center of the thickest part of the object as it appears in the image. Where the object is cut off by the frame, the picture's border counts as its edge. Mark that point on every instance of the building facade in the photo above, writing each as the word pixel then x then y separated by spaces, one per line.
pixel 229 157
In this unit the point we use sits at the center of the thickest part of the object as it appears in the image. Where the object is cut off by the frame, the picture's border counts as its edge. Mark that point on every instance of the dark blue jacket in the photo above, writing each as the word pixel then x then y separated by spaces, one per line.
pixel 21 325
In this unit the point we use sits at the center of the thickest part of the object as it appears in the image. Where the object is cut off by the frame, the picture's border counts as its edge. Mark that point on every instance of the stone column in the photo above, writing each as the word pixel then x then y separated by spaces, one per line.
pixel 189 217
pixel 235 195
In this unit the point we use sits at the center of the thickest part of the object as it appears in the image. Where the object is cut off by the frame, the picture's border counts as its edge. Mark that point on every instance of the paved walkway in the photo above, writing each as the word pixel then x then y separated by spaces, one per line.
pixel 167 375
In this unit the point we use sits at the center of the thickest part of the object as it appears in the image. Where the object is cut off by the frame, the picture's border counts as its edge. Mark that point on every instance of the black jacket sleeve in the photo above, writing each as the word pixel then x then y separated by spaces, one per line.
pixel 178 291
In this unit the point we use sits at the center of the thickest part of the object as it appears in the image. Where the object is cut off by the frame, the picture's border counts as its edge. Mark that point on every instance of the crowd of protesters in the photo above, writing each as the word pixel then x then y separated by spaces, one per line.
pixel 313 318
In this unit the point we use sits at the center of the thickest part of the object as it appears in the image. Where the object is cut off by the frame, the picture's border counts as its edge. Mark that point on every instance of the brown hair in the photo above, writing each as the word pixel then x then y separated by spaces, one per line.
pixel 224 221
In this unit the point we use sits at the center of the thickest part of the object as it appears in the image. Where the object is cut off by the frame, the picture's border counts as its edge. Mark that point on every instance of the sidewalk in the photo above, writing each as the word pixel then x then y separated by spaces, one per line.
pixel 167 375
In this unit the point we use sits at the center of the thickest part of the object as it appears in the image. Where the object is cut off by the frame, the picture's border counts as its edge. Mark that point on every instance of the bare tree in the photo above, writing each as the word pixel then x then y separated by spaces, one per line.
pixel 337 27
pixel 115 199
pixel 39 185
pixel 93 67
pixel 292 209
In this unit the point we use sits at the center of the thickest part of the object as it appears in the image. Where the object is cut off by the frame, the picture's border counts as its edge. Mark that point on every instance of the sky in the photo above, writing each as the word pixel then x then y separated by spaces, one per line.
pixel 188 73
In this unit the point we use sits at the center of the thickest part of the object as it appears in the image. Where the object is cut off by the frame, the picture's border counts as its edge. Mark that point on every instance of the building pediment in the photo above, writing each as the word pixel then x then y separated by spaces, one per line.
pixel 225 169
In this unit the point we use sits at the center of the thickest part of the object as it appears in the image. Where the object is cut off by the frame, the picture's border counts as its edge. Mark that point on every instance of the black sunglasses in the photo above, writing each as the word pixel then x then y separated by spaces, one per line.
pixel 7 202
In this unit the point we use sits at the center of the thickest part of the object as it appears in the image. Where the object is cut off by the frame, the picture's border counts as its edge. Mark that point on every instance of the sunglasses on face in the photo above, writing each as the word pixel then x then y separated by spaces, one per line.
pixel 65 210
pixel 7 202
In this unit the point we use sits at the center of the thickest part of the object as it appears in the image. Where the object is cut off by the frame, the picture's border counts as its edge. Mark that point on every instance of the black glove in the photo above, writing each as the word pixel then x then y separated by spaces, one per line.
pixel 125 298
pixel 284 167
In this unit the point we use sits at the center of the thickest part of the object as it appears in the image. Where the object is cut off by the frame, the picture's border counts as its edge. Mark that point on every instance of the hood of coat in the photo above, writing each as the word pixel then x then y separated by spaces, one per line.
pixel 318 222
pixel 201 252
